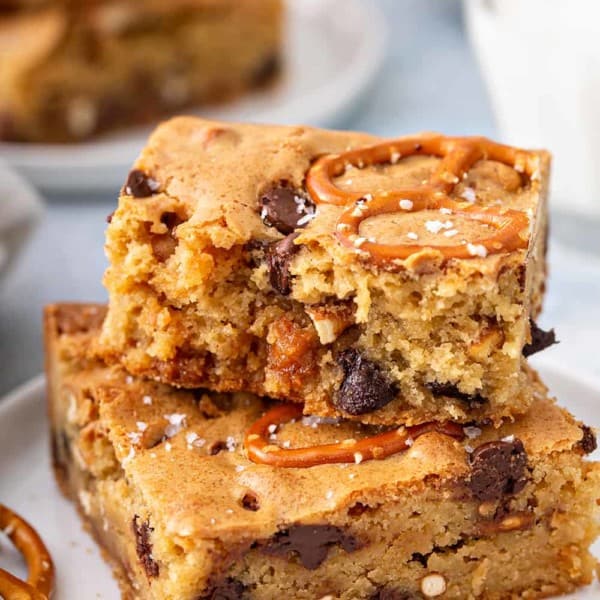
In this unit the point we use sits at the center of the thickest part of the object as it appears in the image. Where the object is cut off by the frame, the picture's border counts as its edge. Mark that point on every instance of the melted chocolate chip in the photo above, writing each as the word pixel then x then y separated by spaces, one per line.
pixel 143 546
pixel 540 339
pixel 310 543
pixel 285 208
pixel 140 185
pixel 279 256
pixel 451 391
pixel 497 469
pixel 365 386
pixel 588 442
pixel 229 589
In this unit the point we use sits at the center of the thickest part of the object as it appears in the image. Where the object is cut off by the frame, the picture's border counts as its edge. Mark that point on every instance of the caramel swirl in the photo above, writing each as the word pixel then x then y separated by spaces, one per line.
pixel 458 155
pixel 379 446
pixel 40 578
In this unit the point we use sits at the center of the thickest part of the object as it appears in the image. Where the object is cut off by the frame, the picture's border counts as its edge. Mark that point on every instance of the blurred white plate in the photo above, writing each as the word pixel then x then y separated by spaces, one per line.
pixel 333 51
pixel 28 487
pixel 20 209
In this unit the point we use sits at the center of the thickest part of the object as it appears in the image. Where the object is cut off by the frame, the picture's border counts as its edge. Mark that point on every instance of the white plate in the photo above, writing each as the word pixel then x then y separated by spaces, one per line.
pixel 20 209
pixel 27 485
pixel 333 50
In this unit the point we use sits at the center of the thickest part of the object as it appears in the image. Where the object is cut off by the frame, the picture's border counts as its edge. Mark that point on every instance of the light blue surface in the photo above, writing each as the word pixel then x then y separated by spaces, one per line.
pixel 429 82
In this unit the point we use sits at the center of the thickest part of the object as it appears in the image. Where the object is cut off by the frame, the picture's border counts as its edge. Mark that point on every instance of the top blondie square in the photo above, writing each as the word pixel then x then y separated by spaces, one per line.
pixel 388 281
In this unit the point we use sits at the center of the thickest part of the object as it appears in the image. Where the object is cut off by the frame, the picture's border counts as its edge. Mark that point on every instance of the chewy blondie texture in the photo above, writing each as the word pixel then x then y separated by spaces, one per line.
pixel 162 480
pixel 225 273
pixel 73 69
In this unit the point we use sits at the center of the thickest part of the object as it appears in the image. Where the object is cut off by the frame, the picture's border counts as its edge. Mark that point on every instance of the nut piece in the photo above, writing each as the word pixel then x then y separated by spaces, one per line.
pixel 433 585
pixel 490 340
pixel 330 321
pixel 519 521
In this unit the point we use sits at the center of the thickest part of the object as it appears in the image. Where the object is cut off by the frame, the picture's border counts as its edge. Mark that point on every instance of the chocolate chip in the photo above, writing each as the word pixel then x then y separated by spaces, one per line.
pixel 143 546
pixel 140 185
pixel 266 70
pixel 250 502
pixel 217 447
pixel 540 339
pixel 310 543
pixel 279 256
pixel 229 589
pixel 588 442
pixel 497 469
pixel 110 217
pixel 451 391
pixel 285 208
pixel 365 386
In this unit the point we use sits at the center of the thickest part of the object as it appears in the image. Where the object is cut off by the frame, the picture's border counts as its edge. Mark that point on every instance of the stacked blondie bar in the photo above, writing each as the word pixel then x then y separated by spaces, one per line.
pixel 311 378
pixel 71 69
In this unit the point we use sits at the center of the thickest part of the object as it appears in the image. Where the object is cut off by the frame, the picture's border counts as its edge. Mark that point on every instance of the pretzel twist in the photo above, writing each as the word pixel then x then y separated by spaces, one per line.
pixel 40 577
pixel 458 155
pixel 260 450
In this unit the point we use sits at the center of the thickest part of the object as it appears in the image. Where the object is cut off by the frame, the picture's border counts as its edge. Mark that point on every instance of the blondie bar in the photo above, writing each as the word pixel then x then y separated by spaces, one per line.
pixel 70 70
pixel 177 488
pixel 388 281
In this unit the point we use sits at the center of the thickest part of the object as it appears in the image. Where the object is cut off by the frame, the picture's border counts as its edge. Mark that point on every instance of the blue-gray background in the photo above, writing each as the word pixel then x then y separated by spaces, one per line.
pixel 429 81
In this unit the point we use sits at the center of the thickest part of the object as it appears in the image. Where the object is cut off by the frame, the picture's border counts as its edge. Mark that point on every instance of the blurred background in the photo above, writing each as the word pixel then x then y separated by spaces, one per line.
pixel 390 67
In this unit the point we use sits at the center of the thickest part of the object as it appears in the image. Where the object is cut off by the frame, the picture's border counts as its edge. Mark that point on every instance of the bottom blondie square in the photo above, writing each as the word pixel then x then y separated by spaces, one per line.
pixel 163 478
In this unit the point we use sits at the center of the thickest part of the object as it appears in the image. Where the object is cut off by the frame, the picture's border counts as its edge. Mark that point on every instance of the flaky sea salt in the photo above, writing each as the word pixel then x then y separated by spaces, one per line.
pixel 176 424
pixel 477 250
pixel 472 432
pixel 406 204
pixel 469 194
pixel 437 226
pixel 134 437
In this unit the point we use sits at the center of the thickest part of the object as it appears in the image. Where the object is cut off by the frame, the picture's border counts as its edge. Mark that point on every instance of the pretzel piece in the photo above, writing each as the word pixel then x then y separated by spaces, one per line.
pixel 458 156
pixel 379 446
pixel 40 578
